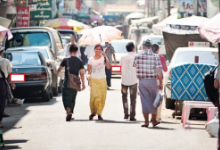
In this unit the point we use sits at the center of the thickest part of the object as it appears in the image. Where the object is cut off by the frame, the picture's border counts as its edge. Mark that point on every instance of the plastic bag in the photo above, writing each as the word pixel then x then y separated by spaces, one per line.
pixel 212 127
pixel 158 100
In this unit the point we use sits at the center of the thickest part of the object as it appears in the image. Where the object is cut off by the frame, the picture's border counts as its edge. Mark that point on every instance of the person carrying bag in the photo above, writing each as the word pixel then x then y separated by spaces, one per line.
pixel 72 84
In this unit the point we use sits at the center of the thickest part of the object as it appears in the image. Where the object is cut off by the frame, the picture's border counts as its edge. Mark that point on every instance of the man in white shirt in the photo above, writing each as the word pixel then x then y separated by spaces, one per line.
pixel 89 51
pixel 66 49
pixel 129 80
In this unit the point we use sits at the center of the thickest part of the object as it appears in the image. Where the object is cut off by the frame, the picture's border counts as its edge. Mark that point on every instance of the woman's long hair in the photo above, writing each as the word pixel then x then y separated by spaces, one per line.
pixel 155 48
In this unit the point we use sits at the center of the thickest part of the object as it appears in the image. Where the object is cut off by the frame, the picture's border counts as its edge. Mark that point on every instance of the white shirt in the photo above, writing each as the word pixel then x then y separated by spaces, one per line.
pixel 89 51
pixel 67 53
pixel 128 71
pixel 5 66
pixel 98 68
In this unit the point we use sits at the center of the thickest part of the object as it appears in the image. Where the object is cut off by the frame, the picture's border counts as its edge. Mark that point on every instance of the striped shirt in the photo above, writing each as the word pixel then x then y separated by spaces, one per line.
pixel 5 66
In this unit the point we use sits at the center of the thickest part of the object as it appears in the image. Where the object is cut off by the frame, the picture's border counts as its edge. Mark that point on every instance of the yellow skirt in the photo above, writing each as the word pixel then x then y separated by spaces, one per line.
pixel 98 91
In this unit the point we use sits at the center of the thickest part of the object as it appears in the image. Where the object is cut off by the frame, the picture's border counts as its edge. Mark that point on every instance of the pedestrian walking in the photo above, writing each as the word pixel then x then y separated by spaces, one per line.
pixel 129 80
pixel 109 50
pixel 148 68
pixel 156 49
pixel 89 51
pixel 137 34
pixel 83 57
pixel 73 65
pixel 5 70
pixel 97 77
pixel 67 47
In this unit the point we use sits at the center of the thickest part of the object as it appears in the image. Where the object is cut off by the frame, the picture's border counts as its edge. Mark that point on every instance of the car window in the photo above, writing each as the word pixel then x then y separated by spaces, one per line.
pixel 44 53
pixel 24 58
pixel 157 40
pixel 205 57
pixel 29 39
pixel 142 31
pixel 119 47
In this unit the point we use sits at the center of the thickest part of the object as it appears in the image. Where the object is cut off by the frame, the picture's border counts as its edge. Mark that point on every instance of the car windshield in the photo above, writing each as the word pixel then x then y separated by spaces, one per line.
pixel 119 47
pixel 205 57
pixel 44 53
pixel 154 40
pixel 24 58
pixel 29 39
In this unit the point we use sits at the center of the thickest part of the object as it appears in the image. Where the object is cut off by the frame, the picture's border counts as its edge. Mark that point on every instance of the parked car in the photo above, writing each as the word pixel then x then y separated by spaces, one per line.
pixel 156 39
pixel 187 55
pixel 68 33
pixel 52 62
pixel 120 50
pixel 38 76
pixel 36 36
pixel 132 30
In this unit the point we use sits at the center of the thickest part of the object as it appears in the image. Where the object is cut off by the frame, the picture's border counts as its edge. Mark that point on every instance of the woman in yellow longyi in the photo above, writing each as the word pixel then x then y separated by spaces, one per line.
pixel 98 86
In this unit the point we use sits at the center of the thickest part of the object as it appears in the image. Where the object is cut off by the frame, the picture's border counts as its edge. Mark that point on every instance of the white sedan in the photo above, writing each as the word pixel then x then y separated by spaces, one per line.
pixel 185 55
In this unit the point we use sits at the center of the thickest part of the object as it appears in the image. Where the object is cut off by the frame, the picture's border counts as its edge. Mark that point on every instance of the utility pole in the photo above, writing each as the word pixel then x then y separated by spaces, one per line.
pixel 168 7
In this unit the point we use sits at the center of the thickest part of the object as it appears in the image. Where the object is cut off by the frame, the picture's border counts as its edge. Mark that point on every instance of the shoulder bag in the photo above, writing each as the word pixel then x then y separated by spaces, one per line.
pixel 73 80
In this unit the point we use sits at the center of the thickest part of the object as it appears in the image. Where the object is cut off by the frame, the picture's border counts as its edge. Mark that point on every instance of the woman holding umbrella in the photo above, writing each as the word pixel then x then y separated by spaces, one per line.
pixel 97 77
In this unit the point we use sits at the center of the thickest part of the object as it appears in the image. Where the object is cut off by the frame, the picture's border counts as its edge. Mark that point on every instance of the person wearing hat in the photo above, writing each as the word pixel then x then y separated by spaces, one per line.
pixel 156 49
pixel 148 69
pixel 5 70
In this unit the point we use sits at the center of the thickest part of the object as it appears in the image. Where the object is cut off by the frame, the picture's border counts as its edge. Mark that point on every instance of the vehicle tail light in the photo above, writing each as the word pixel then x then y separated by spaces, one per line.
pixel 49 64
pixel 40 75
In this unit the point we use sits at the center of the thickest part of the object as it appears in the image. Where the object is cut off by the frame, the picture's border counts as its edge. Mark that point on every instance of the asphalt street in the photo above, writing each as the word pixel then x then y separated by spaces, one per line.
pixel 41 125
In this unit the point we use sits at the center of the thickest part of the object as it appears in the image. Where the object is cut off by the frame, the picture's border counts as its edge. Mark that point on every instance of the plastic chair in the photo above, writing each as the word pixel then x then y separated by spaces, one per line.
pixel 211 111
pixel 187 105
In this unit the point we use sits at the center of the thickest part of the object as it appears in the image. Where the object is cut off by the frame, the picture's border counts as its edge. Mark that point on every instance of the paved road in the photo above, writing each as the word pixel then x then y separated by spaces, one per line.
pixel 42 126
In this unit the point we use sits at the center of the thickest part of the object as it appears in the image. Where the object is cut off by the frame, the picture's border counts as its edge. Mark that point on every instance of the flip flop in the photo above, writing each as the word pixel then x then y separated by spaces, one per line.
pixel 145 125
pixel 91 116
pixel 154 125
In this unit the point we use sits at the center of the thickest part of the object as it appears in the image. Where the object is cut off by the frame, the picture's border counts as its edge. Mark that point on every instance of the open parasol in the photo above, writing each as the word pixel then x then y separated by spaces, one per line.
pixel 211 29
pixel 99 35
pixel 3 32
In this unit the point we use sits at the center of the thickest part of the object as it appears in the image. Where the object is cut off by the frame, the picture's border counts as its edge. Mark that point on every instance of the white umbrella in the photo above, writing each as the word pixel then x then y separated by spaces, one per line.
pixel 3 32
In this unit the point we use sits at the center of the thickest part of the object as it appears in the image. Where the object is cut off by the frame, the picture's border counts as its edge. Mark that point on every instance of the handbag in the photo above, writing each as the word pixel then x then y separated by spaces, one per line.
pixel 73 80
pixel 158 100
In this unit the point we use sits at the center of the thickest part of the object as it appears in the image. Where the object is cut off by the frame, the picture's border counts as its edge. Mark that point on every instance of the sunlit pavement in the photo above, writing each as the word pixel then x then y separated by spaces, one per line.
pixel 41 126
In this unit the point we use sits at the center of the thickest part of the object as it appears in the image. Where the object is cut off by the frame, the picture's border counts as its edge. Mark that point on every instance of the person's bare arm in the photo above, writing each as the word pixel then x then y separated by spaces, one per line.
pixel 58 72
pixel 107 64
pixel 82 78
pixel 216 83
pixel 114 58
pixel 160 78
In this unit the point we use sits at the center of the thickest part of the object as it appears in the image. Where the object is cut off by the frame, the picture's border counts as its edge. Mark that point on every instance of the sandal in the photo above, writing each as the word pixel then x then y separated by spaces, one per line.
pixel 145 125
pixel 100 117
pixel 91 116
pixel 154 125
pixel 69 114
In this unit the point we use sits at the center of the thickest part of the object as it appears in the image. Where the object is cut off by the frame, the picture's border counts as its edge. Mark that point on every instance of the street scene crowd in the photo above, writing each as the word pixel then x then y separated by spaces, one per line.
pixel 167 64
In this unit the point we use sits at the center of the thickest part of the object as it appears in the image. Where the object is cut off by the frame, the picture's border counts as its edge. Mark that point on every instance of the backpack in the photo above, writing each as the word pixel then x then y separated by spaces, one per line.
pixel 211 91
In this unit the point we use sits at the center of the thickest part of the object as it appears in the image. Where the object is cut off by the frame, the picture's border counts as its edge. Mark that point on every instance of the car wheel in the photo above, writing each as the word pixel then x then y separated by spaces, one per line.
pixel 55 89
pixel 170 104
pixel 46 96
pixel 60 86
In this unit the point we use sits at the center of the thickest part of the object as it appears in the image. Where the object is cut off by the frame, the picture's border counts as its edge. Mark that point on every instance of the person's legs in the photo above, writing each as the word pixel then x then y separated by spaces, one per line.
pixel 146 118
pixel 93 94
pixel 3 97
pixel 124 91
pixel 133 96
pixel 101 97
pixel 108 76
pixel 159 110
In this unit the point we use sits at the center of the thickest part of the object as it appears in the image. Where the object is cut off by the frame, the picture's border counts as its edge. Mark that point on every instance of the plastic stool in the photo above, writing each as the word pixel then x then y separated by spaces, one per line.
pixel 1 139
pixel 187 105
pixel 211 111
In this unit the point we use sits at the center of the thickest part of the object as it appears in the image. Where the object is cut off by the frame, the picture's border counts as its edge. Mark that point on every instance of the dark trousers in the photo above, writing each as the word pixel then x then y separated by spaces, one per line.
pixel 3 97
pixel 69 98
pixel 219 126
pixel 108 76
pixel 133 95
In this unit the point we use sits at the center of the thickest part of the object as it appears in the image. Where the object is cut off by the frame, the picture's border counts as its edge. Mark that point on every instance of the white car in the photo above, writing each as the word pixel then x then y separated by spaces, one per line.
pixel 156 39
pixel 132 35
pixel 120 50
pixel 186 55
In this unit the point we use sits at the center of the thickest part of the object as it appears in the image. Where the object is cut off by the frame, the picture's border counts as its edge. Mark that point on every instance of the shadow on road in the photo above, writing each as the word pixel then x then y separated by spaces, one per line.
pixel 160 128
pixel 14 141
pixel 10 147
pixel 113 121
pixel 167 122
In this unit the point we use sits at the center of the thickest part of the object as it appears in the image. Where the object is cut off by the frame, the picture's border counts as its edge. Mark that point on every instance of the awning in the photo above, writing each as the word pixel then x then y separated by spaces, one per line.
pixel 83 16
